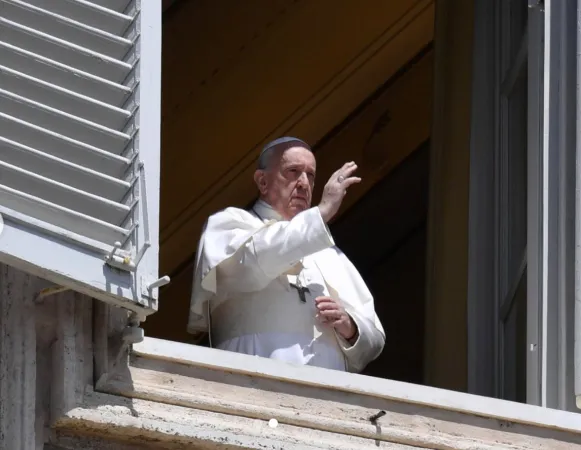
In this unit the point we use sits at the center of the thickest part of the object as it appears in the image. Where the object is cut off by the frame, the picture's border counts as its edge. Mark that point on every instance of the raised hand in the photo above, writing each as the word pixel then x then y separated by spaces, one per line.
pixel 335 190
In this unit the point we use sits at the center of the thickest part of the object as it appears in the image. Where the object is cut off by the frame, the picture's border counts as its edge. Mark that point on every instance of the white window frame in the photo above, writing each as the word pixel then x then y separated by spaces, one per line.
pixel 488 283
pixel 558 156
pixel 551 189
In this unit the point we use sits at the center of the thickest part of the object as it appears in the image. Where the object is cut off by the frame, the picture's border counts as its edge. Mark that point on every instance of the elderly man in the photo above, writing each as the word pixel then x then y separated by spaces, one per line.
pixel 270 281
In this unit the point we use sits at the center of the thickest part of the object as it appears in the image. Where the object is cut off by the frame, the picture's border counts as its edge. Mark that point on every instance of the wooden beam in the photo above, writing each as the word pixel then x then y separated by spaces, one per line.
pixel 447 273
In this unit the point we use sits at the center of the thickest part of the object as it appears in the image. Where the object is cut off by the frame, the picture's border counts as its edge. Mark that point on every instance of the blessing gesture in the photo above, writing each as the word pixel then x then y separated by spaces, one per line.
pixel 335 190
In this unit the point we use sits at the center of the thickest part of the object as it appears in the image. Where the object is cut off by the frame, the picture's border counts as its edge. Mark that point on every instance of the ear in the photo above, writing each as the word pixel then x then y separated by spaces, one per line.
pixel 260 180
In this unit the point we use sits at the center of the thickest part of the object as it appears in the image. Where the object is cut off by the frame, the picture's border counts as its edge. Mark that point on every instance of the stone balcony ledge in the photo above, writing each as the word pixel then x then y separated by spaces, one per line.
pixel 179 395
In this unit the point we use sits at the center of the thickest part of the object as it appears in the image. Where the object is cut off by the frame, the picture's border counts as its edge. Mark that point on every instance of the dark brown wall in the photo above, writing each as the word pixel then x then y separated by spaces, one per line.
pixel 447 272
pixel 398 285
pixel 384 235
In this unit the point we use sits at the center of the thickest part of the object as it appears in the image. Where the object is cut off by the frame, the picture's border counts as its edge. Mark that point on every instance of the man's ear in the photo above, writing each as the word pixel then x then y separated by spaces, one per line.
pixel 260 180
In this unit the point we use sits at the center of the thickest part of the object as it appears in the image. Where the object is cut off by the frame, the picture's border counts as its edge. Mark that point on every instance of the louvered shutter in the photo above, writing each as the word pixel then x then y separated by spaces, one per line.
pixel 79 144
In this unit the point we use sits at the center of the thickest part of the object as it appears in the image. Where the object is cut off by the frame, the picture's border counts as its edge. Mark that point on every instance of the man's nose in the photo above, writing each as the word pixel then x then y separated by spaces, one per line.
pixel 303 180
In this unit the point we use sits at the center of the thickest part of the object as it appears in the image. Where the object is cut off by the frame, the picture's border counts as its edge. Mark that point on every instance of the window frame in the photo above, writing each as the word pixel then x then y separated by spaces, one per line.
pixel 510 69
pixel 559 156
pixel 551 190
pixel 153 365
pixel 481 305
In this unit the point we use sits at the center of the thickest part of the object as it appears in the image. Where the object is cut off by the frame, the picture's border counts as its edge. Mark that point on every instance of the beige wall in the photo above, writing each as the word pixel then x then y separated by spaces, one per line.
pixel 447 272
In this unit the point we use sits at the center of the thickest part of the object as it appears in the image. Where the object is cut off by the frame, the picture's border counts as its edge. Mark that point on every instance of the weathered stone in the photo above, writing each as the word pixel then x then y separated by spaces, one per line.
pixel 17 360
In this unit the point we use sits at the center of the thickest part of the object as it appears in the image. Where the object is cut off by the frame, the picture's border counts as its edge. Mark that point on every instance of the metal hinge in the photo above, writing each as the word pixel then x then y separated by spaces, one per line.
pixel 536 3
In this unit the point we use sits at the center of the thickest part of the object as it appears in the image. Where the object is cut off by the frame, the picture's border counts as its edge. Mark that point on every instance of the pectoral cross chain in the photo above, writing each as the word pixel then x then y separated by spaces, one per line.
pixel 301 290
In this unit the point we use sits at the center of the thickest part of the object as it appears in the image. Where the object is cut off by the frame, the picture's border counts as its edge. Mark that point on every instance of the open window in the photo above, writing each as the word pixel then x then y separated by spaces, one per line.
pixel 366 98
pixel 375 105
pixel 456 233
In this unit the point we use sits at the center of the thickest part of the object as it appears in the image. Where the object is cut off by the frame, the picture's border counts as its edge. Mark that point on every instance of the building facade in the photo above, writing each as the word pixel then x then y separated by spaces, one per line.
pixel 81 234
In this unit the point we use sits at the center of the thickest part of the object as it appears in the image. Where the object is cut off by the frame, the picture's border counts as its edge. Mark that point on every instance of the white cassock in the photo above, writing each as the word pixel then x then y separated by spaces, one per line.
pixel 247 264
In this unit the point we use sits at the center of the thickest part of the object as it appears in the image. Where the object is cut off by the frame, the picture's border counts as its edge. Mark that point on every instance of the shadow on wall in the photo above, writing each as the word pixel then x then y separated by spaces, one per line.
pixel 384 235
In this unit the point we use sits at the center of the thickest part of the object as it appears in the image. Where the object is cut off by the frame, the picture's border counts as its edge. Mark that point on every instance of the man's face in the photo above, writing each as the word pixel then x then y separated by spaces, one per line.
pixel 287 184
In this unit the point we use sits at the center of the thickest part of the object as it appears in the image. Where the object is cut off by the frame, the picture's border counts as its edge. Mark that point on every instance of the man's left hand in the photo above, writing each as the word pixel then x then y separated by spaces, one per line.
pixel 332 313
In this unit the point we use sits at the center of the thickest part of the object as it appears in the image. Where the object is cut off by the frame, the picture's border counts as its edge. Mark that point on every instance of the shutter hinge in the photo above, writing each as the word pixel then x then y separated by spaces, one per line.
pixel 119 260
pixel 123 261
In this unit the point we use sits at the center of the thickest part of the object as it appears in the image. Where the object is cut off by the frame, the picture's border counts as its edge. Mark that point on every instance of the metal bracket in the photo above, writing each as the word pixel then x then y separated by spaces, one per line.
pixel 131 334
pixel 374 418
pixel 147 288
pixel 158 283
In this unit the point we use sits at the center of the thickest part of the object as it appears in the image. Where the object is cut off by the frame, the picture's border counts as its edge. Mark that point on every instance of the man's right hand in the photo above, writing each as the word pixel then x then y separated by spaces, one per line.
pixel 335 190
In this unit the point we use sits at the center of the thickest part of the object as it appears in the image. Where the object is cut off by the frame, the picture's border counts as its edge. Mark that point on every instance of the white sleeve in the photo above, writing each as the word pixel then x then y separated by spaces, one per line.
pixel 359 304
pixel 272 250
pixel 367 347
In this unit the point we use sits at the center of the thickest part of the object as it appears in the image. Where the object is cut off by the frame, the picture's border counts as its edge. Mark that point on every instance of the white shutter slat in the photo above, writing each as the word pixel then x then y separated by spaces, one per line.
pixel 62 194
pixel 120 6
pixel 62 146
pixel 58 215
pixel 62 170
pixel 63 99
pixel 61 75
pixel 65 28
pixel 91 14
pixel 53 231
pixel 79 144
pixel 63 123
pixel 83 58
